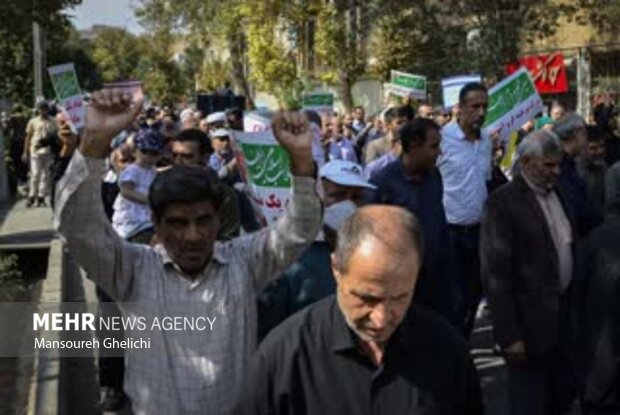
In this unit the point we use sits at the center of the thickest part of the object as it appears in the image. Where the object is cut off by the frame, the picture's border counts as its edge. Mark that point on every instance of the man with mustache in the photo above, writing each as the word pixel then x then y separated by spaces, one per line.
pixel 465 164
pixel 188 273
pixel 527 252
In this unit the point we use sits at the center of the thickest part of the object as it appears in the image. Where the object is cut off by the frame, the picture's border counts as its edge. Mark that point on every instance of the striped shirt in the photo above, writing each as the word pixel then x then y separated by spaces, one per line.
pixel 191 371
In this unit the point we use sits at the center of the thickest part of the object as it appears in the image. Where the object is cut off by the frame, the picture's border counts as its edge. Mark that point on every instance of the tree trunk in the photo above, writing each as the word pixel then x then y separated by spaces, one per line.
pixel 236 45
pixel 345 91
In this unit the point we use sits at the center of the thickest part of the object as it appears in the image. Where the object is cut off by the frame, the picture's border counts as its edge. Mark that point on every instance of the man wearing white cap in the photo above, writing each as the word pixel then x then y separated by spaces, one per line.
pixel 222 161
pixel 187 119
pixel 310 278
pixel 216 120
pixel 343 180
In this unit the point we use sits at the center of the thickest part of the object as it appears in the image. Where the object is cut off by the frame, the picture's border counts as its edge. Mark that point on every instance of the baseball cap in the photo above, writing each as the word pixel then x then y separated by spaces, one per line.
pixel 345 173
pixel 216 117
pixel 542 121
pixel 335 215
pixel 220 132
pixel 186 114
pixel 150 140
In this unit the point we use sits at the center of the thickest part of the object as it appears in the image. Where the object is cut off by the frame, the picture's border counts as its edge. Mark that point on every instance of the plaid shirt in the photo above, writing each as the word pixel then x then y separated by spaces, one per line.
pixel 190 372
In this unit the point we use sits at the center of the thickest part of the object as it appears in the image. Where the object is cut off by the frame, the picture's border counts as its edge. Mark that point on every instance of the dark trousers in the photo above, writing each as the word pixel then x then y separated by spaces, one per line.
pixel 541 386
pixel 111 369
pixel 465 272
pixel 20 168
pixel 246 214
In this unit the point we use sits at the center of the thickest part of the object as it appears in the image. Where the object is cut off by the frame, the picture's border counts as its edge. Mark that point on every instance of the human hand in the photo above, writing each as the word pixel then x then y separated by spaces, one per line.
pixel 515 353
pixel 108 113
pixel 292 130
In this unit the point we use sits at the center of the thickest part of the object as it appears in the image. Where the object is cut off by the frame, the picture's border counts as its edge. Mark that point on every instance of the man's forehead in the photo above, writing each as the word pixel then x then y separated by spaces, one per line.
pixel 475 97
pixel 190 146
pixel 551 159
pixel 189 210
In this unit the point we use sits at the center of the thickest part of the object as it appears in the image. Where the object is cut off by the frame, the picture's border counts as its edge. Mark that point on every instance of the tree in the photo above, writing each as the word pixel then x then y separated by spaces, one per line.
pixel 603 15
pixel 117 53
pixel 79 51
pixel 162 77
pixel 273 65
pixel 204 25
pixel 418 39
pixel 442 38
pixel 16 19
pixel 504 25
pixel 343 31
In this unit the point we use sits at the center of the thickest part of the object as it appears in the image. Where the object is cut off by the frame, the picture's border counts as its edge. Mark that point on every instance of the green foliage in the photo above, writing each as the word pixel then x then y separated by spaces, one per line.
pixel 116 53
pixel 119 55
pixel 274 68
pixel 604 15
pixel 72 48
pixel 443 38
pixel 213 33
pixel 16 19
pixel 12 285
pixel 162 77
pixel 342 38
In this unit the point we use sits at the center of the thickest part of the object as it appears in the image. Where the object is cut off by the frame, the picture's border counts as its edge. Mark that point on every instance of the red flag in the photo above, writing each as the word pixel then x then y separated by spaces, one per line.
pixel 548 72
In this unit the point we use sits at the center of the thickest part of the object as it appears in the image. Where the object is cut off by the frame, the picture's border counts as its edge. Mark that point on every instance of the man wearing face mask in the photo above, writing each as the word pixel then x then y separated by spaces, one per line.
pixel 364 350
pixel 527 255
pixel 310 278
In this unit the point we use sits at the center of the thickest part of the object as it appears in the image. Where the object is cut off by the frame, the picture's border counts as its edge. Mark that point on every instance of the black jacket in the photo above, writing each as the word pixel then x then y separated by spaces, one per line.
pixel 597 289
pixel 520 268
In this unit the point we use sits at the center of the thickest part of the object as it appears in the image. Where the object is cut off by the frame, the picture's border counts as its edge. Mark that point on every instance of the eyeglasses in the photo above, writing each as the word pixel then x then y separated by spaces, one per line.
pixel 184 156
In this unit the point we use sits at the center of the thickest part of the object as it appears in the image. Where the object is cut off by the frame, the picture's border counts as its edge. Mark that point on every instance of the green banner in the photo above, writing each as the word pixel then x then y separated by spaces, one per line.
pixel 509 96
pixel 64 80
pixel 319 100
pixel 410 81
pixel 267 165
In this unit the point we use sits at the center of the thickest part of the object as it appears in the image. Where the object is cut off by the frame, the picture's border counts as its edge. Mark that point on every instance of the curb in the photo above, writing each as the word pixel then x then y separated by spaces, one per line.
pixel 44 395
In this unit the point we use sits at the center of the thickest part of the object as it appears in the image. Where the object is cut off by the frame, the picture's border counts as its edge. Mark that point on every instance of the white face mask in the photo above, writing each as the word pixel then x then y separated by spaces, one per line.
pixel 335 215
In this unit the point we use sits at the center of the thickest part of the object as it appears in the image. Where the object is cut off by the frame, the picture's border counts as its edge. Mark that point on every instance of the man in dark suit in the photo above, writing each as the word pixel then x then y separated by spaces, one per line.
pixel 527 245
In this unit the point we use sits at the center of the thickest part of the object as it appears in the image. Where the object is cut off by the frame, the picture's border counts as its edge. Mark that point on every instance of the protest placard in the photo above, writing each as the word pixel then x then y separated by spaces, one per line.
pixel 319 102
pixel 68 92
pixel 264 166
pixel 258 121
pixel 134 88
pixel 512 102
pixel 407 85
pixel 452 87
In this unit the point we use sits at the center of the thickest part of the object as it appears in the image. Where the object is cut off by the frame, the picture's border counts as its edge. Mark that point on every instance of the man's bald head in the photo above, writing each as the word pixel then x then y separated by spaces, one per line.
pixel 376 265
pixel 396 228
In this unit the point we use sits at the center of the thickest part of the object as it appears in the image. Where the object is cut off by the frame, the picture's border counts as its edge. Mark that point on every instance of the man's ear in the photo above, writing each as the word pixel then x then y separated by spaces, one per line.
pixel 335 269
pixel 154 221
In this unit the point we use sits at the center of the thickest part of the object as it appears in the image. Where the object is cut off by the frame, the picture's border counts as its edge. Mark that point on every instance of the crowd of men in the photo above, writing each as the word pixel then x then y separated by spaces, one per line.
pixel 361 298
